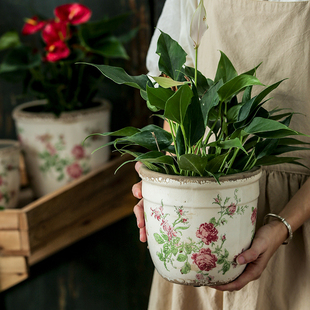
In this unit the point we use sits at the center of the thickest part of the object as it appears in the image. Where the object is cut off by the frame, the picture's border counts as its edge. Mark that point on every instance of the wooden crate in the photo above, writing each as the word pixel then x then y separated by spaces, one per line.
pixel 55 221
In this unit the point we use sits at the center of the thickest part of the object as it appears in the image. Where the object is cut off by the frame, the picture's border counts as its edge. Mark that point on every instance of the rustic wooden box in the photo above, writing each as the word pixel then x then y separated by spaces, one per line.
pixel 57 220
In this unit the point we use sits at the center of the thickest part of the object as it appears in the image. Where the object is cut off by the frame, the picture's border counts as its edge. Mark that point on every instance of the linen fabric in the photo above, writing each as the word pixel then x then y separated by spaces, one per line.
pixel 278 35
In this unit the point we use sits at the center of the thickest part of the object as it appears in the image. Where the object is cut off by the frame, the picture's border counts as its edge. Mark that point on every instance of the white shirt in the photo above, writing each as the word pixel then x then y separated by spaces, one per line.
pixel 175 20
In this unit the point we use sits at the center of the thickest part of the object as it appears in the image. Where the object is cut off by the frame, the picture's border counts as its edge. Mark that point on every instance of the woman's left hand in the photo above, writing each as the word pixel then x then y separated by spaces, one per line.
pixel 266 241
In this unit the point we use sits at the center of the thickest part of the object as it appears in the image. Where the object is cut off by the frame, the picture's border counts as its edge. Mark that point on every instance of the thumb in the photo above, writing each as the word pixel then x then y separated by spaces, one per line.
pixel 257 248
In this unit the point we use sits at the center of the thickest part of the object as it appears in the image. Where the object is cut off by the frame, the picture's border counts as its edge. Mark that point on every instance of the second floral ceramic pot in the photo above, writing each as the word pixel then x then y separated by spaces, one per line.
pixel 9 173
pixel 196 227
pixel 53 146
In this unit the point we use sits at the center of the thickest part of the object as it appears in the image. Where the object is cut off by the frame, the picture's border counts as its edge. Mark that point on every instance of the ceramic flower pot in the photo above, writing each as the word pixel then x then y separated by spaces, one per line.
pixel 196 227
pixel 54 154
pixel 9 173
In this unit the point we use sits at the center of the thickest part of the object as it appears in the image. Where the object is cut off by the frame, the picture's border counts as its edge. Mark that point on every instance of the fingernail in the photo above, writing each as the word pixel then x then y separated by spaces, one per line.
pixel 241 260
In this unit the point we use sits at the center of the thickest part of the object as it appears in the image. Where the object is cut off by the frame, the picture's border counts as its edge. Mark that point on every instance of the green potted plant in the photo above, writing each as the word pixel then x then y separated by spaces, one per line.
pixel 200 180
pixel 52 127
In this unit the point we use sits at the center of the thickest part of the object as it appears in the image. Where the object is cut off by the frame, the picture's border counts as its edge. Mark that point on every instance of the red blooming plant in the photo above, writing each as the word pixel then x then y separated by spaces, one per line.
pixel 49 71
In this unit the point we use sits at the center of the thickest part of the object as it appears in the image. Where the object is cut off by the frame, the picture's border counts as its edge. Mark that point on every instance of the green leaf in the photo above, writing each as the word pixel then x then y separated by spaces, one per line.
pixel 235 85
pixel 177 105
pixel 193 123
pixel 186 268
pixel 181 258
pixel 226 267
pixel 155 157
pixel 167 82
pixel 203 83
pixel 210 100
pixel 214 164
pixel 158 96
pixel 159 239
pixel 225 70
pixel 263 126
pixel 265 148
pixel 234 143
pixel 19 58
pixel 152 137
pixel 119 76
pixel 193 162
pixel 171 56
pixel 274 160
pixel 9 39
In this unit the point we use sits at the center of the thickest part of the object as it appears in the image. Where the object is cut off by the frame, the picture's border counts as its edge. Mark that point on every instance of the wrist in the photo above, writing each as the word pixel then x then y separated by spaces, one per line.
pixel 282 229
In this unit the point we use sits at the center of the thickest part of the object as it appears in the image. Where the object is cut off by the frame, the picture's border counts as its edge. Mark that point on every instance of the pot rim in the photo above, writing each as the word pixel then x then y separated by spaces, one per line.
pixel 147 174
pixel 19 113
pixel 7 146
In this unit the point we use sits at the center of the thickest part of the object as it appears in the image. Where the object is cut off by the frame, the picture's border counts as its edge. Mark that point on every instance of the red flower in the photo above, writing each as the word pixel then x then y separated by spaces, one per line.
pixel 78 152
pixel 232 209
pixel 56 51
pixel 207 232
pixel 55 32
pixel 205 260
pixel 32 25
pixel 74 171
pixel 74 13
pixel 253 216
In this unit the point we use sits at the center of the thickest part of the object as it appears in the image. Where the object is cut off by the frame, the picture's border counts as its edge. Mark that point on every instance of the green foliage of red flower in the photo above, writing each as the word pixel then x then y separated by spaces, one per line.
pixel 49 71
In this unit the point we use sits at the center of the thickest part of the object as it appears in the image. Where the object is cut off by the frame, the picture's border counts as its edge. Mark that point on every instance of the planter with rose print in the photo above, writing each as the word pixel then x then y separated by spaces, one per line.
pixel 53 146
pixel 197 227
pixel 9 173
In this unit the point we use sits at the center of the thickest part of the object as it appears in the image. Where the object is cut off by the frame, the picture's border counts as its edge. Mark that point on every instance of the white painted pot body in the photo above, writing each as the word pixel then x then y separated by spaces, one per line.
pixel 53 146
pixel 9 173
pixel 196 227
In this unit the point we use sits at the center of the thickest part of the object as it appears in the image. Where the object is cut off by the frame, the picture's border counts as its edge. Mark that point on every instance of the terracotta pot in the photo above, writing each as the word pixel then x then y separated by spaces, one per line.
pixel 196 227
pixel 54 153
pixel 9 173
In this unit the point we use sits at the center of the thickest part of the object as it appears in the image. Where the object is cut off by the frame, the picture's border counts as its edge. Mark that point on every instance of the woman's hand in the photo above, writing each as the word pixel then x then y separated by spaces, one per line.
pixel 266 241
pixel 138 209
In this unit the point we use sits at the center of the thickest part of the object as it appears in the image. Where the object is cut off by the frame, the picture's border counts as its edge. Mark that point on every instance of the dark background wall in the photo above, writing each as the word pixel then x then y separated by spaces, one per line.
pixel 111 269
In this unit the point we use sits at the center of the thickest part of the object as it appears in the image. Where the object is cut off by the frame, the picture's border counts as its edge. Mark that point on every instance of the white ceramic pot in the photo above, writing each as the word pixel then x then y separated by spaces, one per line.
pixel 9 173
pixel 54 153
pixel 196 227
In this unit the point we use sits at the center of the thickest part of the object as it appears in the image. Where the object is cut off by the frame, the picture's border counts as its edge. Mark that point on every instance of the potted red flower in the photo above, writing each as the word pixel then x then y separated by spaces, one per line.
pixel 50 72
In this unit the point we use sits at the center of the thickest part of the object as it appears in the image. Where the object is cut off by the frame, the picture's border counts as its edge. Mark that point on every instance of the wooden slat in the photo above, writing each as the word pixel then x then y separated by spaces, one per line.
pixel 13 264
pixel 9 240
pixel 9 219
pixel 8 280
pixel 84 227
pixel 96 194
pixel 13 270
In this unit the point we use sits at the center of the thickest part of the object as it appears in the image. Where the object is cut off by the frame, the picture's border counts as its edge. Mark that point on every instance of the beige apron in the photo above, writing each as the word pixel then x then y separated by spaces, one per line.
pixel 277 34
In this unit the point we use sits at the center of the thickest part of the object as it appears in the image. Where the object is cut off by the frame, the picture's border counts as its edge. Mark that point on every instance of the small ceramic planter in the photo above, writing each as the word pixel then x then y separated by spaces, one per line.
pixel 9 173
pixel 54 153
pixel 196 227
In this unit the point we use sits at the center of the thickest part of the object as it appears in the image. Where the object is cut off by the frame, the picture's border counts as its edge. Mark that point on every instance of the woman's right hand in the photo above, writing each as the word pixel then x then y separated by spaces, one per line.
pixel 138 209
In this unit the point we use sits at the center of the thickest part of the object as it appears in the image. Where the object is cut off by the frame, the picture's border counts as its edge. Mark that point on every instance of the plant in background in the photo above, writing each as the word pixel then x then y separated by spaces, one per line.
pixel 214 130
pixel 49 71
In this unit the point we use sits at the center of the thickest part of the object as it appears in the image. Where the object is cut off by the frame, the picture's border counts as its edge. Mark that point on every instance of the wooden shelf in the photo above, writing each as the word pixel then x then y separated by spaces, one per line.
pixel 44 226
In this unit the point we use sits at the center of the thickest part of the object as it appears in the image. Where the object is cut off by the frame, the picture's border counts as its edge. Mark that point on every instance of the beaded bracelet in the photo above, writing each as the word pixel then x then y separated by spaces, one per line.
pixel 283 220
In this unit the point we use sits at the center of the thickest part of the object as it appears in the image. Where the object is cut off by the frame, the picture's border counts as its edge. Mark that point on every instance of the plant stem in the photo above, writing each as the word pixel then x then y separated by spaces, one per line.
pixel 196 64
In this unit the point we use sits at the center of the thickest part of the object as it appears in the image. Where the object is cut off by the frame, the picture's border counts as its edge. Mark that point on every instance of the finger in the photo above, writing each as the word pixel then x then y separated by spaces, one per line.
pixel 139 213
pixel 257 248
pixel 143 237
pixel 138 165
pixel 137 190
pixel 251 273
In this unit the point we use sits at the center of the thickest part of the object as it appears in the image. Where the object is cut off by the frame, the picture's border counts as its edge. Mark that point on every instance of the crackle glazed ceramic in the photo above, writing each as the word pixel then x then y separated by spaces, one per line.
pixel 196 227
pixel 9 173
pixel 54 153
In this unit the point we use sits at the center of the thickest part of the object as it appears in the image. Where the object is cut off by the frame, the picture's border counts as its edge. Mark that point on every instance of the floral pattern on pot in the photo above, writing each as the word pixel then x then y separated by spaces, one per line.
pixel 64 165
pixel 208 250
pixel 7 191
